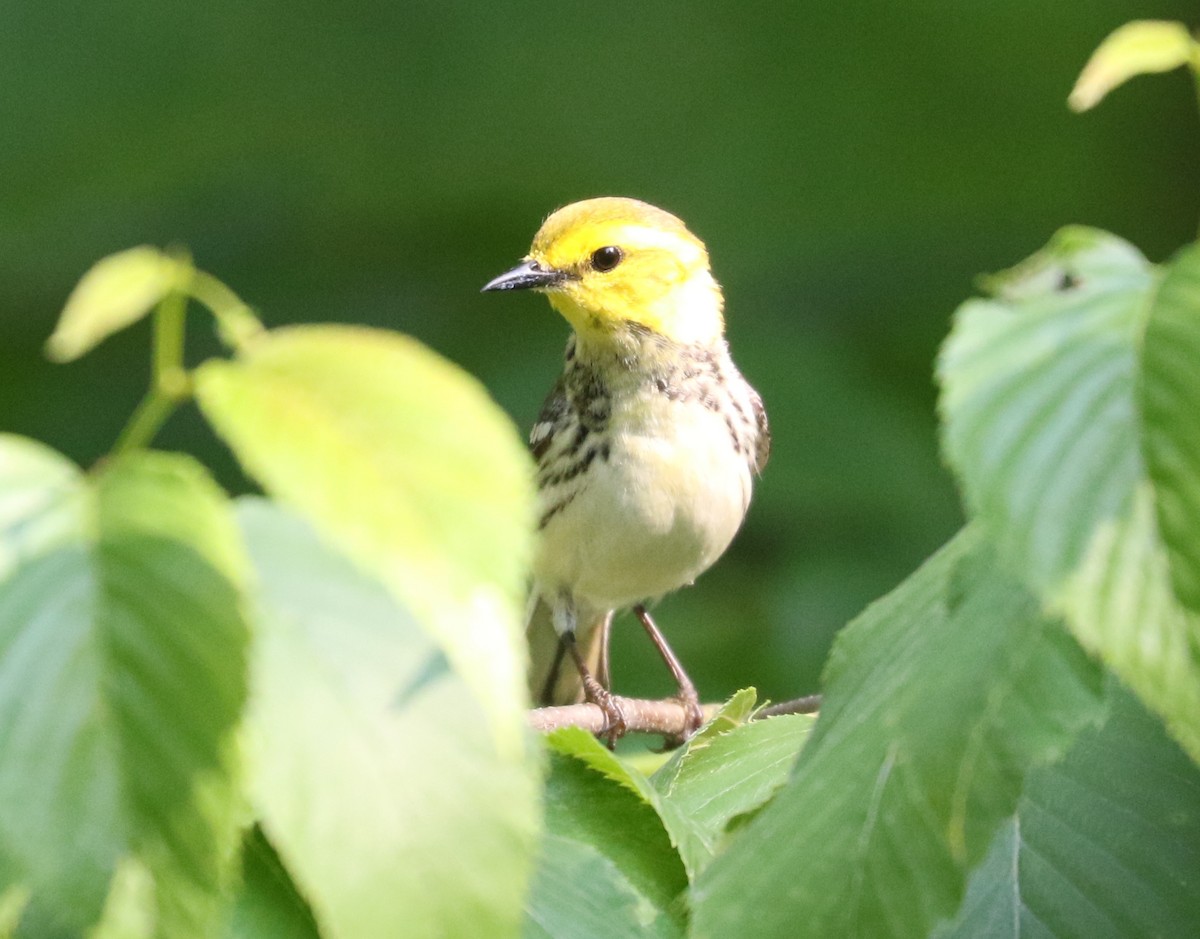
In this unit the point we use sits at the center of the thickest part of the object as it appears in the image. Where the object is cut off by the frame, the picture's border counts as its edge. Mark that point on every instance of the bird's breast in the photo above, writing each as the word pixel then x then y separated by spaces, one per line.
pixel 658 503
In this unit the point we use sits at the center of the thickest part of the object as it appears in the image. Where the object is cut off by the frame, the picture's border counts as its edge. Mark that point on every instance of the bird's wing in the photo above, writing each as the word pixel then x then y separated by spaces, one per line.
pixel 762 445
pixel 554 410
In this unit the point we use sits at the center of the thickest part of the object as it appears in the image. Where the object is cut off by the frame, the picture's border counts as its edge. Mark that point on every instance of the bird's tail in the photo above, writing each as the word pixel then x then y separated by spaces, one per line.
pixel 553 677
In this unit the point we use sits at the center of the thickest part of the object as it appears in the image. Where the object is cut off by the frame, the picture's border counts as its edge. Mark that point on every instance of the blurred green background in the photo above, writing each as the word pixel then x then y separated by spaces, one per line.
pixel 850 166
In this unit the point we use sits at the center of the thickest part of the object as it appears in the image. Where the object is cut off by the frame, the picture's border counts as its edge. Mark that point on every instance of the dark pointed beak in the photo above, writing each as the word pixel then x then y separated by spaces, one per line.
pixel 528 275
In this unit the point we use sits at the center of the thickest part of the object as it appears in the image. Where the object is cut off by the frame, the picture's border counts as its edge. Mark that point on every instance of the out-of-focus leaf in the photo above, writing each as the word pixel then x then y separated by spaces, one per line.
pixel 1170 406
pixel 13 900
pixel 1052 412
pixel 41 500
pixel 121 680
pixel 268 906
pixel 1104 845
pixel 1136 48
pixel 403 461
pixel 374 771
pixel 117 292
pixel 129 911
pixel 939 699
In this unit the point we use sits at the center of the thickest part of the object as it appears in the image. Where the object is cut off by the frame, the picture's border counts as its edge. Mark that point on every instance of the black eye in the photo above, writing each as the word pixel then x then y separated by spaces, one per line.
pixel 605 259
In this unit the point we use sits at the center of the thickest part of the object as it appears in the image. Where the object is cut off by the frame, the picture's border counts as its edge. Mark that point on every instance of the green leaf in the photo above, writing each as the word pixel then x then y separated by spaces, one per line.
pixel 1050 413
pixel 694 843
pixel 268 905
pixel 1137 48
pixel 117 292
pixel 41 500
pixel 938 701
pixel 606 866
pixel 733 713
pixel 733 773
pixel 12 903
pixel 121 680
pixel 374 771
pixel 403 461
pixel 129 911
pixel 1170 403
pixel 695 803
pixel 1104 845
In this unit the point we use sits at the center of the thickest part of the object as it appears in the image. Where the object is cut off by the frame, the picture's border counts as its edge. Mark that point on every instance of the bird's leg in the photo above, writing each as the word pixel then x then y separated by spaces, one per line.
pixel 603 673
pixel 597 694
pixel 686 693
pixel 547 696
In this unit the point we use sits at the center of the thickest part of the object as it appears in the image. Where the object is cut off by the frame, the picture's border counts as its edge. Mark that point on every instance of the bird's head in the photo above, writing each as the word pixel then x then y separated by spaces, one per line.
pixel 614 265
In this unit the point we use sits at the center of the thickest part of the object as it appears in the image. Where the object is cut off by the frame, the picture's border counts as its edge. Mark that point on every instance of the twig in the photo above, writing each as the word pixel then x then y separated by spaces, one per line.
pixel 809 704
pixel 666 717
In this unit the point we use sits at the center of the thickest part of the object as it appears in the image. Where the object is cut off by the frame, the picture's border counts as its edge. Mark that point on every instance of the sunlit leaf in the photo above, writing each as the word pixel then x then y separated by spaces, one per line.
pixel 116 293
pixel 1136 48
pixel 403 461
pixel 1077 449
pixel 374 771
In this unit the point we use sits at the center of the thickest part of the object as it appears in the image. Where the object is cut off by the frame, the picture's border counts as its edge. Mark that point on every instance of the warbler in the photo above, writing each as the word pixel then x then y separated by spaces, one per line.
pixel 646 447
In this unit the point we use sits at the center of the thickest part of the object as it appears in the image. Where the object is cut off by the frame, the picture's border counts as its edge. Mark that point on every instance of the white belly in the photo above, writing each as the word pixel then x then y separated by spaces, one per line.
pixel 651 518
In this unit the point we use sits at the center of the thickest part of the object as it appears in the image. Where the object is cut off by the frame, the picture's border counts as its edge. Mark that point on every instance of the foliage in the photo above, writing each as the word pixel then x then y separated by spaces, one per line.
pixel 303 715
pixel 344 672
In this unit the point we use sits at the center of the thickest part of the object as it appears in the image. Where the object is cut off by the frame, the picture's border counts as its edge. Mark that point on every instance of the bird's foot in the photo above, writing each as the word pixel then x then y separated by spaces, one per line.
pixel 693 715
pixel 595 693
pixel 615 725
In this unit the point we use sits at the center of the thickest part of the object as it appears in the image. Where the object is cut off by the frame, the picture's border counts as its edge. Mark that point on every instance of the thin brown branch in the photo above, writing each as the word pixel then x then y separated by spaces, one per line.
pixel 642 715
pixel 665 717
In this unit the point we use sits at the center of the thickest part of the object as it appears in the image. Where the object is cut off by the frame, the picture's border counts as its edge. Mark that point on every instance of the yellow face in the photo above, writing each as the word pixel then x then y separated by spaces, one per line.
pixel 608 263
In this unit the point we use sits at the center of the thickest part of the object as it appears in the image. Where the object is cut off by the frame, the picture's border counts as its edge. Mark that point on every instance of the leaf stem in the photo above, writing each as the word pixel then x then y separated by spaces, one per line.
pixel 169 383
pixel 236 324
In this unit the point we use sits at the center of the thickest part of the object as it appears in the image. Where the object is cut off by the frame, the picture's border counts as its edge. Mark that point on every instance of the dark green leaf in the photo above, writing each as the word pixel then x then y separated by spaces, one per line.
pixel 694 843
pixel 268 905
pixel 939 699
pixel 606 866
pixel 1105 845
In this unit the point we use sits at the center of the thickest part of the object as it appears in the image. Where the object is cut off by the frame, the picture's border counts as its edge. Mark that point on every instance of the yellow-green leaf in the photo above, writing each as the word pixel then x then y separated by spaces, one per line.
pixel 117 292
pixel 1137 48
pixel 374 774
pixel 405 463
